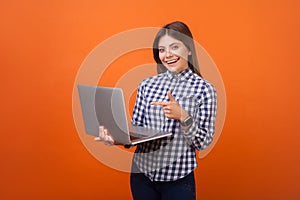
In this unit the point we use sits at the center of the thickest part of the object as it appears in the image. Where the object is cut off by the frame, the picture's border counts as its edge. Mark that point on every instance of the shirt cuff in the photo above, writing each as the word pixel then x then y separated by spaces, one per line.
pixel 190 133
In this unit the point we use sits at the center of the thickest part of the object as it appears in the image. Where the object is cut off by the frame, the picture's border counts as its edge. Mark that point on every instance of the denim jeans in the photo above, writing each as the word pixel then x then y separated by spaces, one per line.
pixel 142 188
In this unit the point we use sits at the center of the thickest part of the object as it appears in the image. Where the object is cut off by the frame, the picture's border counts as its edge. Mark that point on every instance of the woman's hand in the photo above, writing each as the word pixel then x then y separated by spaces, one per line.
pixel 172 109
pixel 105 137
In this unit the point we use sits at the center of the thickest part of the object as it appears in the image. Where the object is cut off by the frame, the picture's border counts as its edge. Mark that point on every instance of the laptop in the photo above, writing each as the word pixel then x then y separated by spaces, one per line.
pixel 105 106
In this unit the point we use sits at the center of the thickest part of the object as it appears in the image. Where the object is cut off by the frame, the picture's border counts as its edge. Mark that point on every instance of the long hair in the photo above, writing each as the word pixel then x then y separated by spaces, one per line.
pixel 179 31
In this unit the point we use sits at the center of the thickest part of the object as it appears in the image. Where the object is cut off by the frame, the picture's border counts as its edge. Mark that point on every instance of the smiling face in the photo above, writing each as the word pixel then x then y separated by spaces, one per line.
pixel 173 54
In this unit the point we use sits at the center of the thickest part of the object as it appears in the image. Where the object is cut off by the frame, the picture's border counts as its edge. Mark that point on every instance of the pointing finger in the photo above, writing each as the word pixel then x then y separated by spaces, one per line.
pixel 159 103
pixel 171 96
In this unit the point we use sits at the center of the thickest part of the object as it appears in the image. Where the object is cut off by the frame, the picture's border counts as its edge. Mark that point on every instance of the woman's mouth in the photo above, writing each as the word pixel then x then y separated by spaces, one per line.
pixel 172 61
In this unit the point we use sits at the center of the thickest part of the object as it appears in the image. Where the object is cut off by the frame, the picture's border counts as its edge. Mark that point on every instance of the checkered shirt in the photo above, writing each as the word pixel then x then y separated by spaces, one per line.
pixel 174 157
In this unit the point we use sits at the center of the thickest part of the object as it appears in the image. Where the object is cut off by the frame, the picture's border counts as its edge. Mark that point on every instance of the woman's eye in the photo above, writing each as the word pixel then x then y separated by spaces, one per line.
pixel 161 50
pixel 175 47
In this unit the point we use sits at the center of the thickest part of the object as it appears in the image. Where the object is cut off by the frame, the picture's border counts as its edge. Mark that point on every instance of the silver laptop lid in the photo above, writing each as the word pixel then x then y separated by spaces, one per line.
pixel 104 106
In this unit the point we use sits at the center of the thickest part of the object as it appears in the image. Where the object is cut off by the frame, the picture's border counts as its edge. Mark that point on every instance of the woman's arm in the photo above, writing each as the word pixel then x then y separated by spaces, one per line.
pixel 200 133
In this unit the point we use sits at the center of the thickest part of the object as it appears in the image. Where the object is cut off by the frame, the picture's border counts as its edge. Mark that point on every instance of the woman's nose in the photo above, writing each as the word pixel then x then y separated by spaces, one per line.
pixel 168 53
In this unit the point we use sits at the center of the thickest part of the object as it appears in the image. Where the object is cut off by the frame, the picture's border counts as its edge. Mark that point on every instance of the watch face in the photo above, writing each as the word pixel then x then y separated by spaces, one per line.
pixel 187 121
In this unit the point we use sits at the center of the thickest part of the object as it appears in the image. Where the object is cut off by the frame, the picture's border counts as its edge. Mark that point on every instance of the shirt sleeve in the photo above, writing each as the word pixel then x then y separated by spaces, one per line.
pixel 200 133
pixel 138 115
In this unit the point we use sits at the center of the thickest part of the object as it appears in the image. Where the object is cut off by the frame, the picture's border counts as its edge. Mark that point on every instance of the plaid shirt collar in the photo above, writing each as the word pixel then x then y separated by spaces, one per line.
pixel 184 75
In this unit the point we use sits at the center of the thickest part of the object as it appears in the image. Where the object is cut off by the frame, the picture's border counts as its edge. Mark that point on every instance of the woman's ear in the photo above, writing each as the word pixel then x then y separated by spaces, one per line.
pixel 190 53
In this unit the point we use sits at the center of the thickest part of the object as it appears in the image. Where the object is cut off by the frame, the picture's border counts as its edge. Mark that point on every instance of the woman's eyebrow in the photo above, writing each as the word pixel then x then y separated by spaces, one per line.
pixel 174 43
pixel 169 45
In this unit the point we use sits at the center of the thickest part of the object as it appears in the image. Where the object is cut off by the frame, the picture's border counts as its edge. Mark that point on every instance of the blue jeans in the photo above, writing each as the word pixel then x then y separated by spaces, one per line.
pixel 142 188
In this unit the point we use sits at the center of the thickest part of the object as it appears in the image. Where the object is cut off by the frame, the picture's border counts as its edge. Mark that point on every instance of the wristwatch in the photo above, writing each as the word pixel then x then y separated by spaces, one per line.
pixel 188 121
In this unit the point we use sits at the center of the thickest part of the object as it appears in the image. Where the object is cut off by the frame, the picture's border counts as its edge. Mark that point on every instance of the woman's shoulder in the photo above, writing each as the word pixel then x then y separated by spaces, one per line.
pixel 201 84
pixel 200 80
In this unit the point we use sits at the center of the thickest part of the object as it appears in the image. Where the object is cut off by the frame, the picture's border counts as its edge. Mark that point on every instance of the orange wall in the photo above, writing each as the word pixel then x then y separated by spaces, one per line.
pixel 254 44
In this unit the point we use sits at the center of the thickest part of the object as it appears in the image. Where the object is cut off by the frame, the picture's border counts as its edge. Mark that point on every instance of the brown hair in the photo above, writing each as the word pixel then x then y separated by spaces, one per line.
pixel 179 31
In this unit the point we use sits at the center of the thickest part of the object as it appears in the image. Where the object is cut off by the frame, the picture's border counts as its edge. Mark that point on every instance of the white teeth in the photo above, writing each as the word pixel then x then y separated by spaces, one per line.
pixel 171 61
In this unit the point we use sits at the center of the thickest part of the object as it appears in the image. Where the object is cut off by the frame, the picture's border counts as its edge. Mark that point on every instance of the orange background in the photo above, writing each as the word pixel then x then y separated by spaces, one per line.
pixel 254 44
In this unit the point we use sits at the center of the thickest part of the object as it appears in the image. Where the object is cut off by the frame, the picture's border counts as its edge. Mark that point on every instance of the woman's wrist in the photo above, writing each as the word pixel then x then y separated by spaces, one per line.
pixel 186 120
pixel 184 116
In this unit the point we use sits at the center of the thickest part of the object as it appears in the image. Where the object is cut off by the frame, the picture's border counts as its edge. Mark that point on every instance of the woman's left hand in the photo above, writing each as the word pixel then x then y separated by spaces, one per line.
pixel 171 108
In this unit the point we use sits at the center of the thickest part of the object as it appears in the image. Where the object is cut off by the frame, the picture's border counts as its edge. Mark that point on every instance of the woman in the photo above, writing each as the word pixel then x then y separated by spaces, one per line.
pixel 177 100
